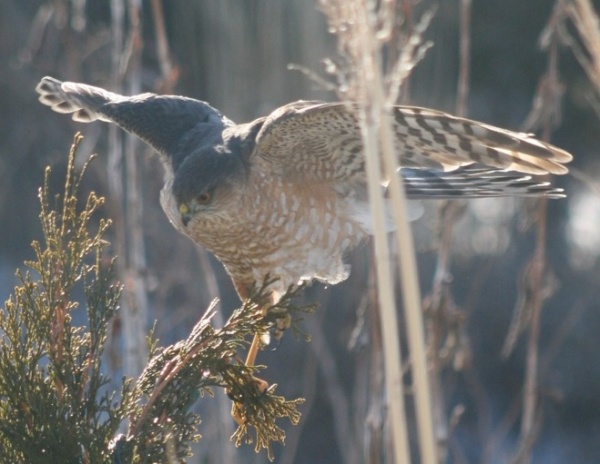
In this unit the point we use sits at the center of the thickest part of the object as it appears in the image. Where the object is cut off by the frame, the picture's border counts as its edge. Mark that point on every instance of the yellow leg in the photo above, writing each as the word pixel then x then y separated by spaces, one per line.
pixel 253 351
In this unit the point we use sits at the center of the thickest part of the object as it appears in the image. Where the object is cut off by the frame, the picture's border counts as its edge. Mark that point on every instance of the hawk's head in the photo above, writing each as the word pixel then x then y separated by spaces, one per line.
pixel 206 181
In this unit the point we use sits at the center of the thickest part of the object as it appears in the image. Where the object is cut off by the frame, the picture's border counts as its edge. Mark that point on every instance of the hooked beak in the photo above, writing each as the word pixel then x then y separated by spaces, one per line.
pixel 186 214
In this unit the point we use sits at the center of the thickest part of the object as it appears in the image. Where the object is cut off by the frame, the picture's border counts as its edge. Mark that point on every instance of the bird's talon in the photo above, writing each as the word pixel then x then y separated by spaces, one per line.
pixel 261 385
pixel 238 411
pixel 282 323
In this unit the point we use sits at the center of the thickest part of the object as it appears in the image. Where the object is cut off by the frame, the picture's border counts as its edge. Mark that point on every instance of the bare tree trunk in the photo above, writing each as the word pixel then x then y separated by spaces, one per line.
pixel 124 186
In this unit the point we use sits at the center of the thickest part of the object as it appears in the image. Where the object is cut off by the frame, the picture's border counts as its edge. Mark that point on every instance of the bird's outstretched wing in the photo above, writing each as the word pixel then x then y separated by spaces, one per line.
pixel 160 120
pixel 86 102
pixel 313 140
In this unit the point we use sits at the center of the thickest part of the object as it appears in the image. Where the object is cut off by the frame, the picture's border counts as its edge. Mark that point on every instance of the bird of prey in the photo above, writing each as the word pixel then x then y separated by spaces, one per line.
pixel 285 195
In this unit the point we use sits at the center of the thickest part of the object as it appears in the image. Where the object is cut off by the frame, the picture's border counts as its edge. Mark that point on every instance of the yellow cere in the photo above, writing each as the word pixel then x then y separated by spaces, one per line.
pixel 183 208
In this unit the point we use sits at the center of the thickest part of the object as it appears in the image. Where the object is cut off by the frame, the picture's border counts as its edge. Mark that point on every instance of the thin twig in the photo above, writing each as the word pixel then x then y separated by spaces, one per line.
pixel 374 423
pixel 531 410
pixel 224 427
pixel 162 48
pixel 465 58
pixel 449 213
pixel 308 388
pixel 337 397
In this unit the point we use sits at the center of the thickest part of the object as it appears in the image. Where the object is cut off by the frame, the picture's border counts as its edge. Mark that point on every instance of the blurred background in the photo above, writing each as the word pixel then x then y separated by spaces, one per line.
pixel 235 55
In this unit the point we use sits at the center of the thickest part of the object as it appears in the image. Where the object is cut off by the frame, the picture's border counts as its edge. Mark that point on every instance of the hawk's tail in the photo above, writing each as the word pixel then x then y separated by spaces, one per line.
pixel 84 101
pixel 470 182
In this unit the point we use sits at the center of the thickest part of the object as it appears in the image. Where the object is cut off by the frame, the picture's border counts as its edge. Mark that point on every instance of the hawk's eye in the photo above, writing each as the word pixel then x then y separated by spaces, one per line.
pixel 204 198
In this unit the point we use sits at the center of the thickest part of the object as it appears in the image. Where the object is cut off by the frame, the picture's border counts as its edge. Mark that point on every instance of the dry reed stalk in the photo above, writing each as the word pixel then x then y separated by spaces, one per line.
pixel 363 29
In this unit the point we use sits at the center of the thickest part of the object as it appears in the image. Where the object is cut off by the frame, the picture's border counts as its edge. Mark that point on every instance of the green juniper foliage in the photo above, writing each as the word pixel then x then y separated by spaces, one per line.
pixel 53 407
pixel 57 405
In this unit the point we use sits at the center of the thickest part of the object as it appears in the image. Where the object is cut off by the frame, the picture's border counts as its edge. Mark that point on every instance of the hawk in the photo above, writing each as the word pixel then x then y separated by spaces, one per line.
pixel 285 195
